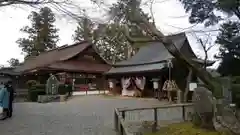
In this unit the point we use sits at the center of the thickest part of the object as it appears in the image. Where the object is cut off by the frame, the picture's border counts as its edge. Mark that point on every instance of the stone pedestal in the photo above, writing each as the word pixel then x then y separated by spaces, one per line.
pixel 62 98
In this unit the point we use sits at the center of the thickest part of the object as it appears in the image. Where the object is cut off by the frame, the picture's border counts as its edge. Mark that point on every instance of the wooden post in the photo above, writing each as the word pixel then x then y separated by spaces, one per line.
pixel 155 120
pixel 183 112
pixel 116 120
pixel 121 129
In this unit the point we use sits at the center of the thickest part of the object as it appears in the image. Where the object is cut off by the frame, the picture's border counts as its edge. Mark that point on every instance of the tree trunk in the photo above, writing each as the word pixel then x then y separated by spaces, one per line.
pixel 189 77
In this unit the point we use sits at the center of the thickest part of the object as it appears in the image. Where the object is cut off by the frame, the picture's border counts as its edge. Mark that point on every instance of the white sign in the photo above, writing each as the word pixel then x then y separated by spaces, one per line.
pixel 110 84
pixel 192 86
pixel 155 85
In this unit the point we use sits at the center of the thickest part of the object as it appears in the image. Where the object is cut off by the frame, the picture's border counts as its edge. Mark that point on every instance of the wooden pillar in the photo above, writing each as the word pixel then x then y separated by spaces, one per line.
pixel 155 125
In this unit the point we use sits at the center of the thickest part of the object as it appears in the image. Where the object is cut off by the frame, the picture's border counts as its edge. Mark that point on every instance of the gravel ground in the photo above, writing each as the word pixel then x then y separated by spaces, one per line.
pixel 83 115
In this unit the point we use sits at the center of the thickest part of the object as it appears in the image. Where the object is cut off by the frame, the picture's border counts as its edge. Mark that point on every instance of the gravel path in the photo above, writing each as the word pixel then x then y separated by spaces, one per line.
pixel 84 115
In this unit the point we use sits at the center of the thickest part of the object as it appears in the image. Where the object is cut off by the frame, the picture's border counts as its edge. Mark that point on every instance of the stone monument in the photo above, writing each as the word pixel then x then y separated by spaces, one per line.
pixel 52 85
pixel 203 106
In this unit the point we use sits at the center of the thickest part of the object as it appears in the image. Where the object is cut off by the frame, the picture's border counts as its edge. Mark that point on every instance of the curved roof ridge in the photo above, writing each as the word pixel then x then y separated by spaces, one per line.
pixel 54 55
pixel 154 52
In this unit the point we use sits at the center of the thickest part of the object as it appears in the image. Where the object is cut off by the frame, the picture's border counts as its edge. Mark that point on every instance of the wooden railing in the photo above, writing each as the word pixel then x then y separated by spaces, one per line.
pixel 120 121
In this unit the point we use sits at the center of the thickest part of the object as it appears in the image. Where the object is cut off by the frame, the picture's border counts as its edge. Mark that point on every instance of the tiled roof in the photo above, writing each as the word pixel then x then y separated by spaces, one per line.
pixel 80 66
pixel 138 68
pixel 53 57
pixel 8 71
pixel 154 52
pixel 153 56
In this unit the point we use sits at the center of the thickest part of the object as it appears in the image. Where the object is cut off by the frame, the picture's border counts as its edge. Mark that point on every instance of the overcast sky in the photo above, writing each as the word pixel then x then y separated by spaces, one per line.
pixel 169 15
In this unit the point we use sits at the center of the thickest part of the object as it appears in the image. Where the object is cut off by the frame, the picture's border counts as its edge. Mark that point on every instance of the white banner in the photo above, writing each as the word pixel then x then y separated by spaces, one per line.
pixel 140 82
pixel 125 84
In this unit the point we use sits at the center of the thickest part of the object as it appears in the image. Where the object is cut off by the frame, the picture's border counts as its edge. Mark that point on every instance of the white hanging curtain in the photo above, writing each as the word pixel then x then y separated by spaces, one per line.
pixel 140 82
pixel 125 84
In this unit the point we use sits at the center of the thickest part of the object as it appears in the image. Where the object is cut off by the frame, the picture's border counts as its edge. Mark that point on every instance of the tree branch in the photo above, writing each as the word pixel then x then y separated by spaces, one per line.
pixel 135 39
pixel 26 2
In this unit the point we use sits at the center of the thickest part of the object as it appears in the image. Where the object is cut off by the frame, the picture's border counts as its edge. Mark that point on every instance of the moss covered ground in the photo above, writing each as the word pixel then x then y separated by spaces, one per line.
pixel 185 129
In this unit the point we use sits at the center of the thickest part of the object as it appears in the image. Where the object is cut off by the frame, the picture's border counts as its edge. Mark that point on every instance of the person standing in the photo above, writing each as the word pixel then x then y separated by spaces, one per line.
pixel 10 89
pixel 4 102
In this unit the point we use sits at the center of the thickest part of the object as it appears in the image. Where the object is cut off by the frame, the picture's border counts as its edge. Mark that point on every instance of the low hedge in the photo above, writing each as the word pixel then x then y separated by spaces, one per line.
pixel 36 90
pixel 33 94
pixel 40 89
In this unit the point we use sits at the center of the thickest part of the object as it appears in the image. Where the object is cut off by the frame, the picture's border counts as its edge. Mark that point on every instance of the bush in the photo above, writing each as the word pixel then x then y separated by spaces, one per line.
pixel 236 94
pixel 196 120
pixel 35 90
pixel 33 94
pixel 236 79
pixel 31 83
pixel 40 86
pixel 64 89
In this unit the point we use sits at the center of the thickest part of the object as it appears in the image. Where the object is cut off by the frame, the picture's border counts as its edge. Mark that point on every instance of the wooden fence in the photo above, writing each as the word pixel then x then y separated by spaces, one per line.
pixel 121 123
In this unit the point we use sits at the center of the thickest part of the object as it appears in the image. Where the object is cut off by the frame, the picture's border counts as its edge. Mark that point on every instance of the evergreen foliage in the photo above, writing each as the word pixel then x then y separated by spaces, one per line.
pixel 42 33
pixel 209 12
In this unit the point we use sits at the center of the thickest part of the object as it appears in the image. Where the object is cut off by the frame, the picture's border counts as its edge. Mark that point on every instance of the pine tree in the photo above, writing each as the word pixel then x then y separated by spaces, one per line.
pixel 42 34
pixel 229 40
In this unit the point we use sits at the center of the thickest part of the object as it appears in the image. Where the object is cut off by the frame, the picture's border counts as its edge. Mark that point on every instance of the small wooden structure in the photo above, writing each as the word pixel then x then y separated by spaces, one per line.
pixel 151 62
pixel 77 64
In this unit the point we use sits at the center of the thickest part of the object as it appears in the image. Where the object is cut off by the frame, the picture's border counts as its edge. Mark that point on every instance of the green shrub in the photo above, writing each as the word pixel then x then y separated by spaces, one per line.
pixel 196 120
pixel 35 90
pixel 31 83
pixel 33 95
pixel 40 86
pixel 64 89
pixel 236 94
pixel 236 79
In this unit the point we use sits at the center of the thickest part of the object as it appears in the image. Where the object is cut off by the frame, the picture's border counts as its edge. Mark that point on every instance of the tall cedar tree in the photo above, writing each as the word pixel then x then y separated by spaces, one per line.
pixel 109 38
pixel 203 11
pixel 84 30
pixel 42 34
pixel 107 45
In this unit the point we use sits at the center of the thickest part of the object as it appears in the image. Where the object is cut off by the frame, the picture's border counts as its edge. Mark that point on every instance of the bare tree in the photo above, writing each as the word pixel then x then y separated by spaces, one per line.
pixel 29 2
pixel 64 8
pixel 206 45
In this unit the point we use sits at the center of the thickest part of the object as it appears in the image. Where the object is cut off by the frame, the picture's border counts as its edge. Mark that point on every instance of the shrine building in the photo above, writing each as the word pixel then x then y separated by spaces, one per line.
pixel 153 70
pixel 78 63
